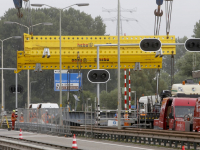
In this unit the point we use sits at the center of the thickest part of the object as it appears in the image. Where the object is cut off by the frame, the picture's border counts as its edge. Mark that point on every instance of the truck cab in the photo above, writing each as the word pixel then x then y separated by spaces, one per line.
pixel 146 104
pixel 173 112
pixel 196 119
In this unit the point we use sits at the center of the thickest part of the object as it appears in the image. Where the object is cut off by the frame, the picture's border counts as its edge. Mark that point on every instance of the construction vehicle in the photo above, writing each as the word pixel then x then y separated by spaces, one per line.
pixel 149 109
pixel 173 112
pixel 196 118
pixel 180 111
pixel 187 89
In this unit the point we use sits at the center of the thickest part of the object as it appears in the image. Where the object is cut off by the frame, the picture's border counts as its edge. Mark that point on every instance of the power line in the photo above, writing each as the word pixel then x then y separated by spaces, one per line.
pixel 121 17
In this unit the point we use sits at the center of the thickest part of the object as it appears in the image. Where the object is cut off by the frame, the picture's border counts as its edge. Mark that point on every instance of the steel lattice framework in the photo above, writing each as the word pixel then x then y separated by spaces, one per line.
pixel 34 47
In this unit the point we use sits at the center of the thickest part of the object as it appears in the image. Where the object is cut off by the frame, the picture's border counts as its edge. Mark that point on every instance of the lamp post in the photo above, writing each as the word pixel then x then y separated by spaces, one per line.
pixel 106 85
pixel 10 22
pixel 60 10
pixel 28 72
pixel 43 23
pixel 30 89
pixel 118 70
pixel 2 79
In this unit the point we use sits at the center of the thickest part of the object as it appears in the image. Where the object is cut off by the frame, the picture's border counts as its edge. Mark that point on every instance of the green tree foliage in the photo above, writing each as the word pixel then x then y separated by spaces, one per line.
pixel 74 22
pixel 197 30
pixel 141 81
pixel 185 64
pixel 180 51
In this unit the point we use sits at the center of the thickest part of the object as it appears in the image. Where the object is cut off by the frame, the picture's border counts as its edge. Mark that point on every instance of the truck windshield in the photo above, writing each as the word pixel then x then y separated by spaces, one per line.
pixel 181 111
pixel 141 105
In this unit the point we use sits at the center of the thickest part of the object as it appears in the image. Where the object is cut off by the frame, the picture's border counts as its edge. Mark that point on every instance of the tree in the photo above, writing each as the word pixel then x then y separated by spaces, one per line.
pixel 185 64
pixel 74 22
pixel 196 30
pixel 180 51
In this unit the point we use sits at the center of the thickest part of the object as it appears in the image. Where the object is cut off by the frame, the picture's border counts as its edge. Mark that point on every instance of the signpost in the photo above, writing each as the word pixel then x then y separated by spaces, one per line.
pixel 69 80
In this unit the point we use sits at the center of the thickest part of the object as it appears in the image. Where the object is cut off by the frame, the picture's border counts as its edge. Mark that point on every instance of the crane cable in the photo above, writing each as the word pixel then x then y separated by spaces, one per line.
pixel 68 88
pixel 79 73
pixel 168 13
pixel 158 14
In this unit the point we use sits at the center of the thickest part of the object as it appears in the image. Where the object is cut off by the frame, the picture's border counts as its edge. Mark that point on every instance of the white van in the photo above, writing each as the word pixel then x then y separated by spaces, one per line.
pixel 33 106
pixel 47 105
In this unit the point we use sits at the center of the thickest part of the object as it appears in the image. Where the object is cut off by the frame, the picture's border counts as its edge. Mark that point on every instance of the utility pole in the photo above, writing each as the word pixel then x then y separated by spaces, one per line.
pixel 121 17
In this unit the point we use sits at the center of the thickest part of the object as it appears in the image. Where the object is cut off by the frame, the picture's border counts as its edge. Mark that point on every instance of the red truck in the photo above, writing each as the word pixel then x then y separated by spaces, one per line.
pixel 176 114
pixel 196 118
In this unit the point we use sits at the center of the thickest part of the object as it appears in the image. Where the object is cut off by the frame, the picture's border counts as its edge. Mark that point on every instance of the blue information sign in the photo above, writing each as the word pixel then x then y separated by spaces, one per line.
pixel 69 80
pixel 132 106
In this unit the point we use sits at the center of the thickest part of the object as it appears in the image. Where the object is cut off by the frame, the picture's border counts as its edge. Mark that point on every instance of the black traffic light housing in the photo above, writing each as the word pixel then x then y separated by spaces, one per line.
pixel 192 45
pixel 150 45
pixel 12 89
pixel 98 76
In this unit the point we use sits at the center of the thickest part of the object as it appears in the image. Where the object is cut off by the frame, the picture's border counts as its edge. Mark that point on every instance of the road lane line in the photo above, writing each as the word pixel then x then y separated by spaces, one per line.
pixel 113 144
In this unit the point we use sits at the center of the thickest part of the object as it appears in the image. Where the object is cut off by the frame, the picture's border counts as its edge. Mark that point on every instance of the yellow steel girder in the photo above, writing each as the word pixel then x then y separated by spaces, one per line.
pixel 84 45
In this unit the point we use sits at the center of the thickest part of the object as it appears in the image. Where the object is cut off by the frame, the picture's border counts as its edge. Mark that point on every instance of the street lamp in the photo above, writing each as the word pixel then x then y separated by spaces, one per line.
pixel 40 5
pixel 2 79
pixel 10 22
pixel 43 23
pixel 30 89
pixel 88 99
pixel 106 85
pixel 28 72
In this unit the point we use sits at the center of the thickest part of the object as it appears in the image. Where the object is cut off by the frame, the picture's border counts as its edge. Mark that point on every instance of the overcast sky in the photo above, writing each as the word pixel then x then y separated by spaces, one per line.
pixel 185 14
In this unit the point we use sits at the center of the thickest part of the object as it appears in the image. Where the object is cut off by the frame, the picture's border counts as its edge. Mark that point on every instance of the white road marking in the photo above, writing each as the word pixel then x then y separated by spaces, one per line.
pixel 113 144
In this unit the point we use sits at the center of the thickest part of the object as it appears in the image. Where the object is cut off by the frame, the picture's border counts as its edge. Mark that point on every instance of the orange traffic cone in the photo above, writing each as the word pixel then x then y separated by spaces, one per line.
pixel 20 134
pixel 183 147
pixel 74 144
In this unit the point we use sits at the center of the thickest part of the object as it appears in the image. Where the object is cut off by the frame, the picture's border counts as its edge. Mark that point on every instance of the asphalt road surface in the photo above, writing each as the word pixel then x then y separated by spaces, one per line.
pixel 83 143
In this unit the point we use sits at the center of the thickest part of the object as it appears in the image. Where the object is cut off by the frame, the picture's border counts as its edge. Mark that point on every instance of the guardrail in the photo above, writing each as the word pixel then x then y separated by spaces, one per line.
pixel 16 144
pixel 146 136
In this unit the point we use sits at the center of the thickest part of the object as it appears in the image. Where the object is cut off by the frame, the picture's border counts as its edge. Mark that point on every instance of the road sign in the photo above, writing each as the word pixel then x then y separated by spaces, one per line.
pixel 193 45
pixel 132 106
pixel 70 81
pixel 98 76
pixel 150 45
pixel 112 123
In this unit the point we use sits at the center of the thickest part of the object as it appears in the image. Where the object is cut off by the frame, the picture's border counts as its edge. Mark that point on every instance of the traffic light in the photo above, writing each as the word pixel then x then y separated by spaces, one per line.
pixel 98 76
pixel 150 45
pixel 13 90
pixel 192 45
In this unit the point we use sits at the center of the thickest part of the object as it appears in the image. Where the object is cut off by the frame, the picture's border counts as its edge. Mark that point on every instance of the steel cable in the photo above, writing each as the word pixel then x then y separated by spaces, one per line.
pixel 168 10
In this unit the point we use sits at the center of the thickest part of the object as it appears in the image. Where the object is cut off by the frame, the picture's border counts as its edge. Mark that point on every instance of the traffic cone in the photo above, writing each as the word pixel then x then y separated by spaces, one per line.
pixel 20 134
pixel 183 147
pixel 74 144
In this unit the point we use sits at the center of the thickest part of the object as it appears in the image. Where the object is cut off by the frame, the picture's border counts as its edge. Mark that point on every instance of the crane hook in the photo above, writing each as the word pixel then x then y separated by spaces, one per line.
pixel 19 14
pixel 158 12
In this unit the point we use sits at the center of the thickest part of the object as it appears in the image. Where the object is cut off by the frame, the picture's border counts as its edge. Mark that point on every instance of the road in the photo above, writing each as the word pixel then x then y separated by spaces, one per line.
pixel 83 143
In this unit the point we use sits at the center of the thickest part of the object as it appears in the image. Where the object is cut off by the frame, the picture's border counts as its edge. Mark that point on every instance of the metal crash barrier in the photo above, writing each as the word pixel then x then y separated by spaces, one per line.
pixel 52 120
